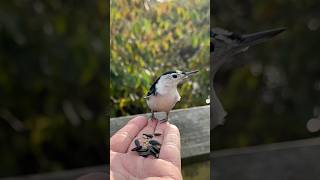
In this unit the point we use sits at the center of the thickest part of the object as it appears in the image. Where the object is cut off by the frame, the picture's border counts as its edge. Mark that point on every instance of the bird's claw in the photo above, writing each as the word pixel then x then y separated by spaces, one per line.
pixel 153 119
pixel 164 120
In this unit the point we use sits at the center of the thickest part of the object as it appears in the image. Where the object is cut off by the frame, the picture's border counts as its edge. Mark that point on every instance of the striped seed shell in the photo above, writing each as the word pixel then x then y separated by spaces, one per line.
pixel 148 135
pixel 136 148
pixel 153 153
pixel 155 148
pixel 144 154
pixel 136 142
pixel 142 150
pixel 154 142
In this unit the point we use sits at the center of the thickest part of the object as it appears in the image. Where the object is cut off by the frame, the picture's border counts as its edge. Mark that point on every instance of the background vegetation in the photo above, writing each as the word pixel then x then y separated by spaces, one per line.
pixel 145 42
pixel 273 89
pixel 53 85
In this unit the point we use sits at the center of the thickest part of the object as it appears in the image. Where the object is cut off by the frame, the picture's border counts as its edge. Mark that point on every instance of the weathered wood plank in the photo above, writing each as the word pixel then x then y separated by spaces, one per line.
pixel 194 126
pixel 288 160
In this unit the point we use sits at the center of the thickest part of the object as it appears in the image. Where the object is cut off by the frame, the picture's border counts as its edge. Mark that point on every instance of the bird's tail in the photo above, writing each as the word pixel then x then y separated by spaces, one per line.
pixel 217 112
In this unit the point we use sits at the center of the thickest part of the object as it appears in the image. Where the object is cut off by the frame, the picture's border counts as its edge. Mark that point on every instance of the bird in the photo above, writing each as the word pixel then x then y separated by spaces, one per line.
pixel 163 94
pixel 223 45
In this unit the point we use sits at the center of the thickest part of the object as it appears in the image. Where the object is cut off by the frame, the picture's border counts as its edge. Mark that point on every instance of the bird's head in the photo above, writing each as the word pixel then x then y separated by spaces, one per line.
pixel 173 78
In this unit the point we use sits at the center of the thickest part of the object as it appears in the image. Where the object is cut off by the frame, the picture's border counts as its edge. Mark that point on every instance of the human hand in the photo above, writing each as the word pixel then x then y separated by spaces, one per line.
pixel 127 164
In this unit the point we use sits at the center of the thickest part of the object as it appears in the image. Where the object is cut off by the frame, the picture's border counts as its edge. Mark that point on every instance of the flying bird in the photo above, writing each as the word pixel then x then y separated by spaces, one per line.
pixel 223 45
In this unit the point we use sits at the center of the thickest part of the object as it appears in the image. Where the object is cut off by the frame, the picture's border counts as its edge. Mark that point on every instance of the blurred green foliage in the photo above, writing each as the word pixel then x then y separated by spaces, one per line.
pixel 148 42
pixel 53 85
pixel 272 90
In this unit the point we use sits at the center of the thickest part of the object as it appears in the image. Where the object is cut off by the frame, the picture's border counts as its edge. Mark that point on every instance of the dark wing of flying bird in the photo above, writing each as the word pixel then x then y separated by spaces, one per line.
pixel 224 44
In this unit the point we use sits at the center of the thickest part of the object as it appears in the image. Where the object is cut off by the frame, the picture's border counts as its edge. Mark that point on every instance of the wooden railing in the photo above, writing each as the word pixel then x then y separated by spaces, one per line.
pixel 293 160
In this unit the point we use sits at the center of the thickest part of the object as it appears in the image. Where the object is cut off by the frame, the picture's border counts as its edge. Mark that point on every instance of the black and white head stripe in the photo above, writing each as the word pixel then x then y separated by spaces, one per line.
pixel 170 72
pixel 152 90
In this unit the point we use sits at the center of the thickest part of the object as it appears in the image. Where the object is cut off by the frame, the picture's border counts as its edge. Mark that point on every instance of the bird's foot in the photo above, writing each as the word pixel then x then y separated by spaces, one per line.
pixel 164 120
pixel 153 119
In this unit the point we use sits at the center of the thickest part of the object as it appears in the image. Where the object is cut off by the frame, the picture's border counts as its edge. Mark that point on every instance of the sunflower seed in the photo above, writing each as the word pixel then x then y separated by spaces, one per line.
pixel 142 150
pixel 153 153
pixel 155 148
pixel 136 142
pixel 136 148
pixel 144 154
pixel 157 134
pixel 148 135
pixel 154 142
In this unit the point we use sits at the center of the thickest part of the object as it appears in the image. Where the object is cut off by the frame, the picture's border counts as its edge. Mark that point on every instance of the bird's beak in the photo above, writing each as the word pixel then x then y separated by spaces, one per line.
pixel 190 73
pixel 259 37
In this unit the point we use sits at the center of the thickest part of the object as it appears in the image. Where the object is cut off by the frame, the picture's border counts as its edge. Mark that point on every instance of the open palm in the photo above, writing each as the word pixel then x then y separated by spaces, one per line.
pixel 127 164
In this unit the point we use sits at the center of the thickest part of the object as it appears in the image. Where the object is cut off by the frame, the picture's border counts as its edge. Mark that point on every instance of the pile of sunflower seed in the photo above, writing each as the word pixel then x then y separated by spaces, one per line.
pixel 147 146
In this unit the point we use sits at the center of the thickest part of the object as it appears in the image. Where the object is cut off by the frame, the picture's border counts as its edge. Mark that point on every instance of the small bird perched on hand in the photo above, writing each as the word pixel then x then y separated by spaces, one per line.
pixel 163 94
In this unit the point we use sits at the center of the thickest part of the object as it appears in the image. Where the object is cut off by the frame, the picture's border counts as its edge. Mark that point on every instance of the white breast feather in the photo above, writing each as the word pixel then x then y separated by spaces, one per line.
pixel 165 99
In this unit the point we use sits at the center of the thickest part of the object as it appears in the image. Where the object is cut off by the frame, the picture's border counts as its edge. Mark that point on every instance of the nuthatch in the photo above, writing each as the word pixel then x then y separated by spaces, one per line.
pixel 223 45
pixel 163 93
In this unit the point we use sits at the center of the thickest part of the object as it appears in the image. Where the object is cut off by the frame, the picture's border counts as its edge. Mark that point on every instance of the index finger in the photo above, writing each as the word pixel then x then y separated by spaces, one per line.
pixel 170 149
pixel 121 140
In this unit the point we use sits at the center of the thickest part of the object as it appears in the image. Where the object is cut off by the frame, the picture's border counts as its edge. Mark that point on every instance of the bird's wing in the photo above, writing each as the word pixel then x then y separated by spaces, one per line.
pixel 153 89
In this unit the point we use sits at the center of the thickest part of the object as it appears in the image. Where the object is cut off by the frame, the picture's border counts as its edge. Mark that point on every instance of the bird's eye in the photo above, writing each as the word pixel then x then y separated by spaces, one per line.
pixel 174 76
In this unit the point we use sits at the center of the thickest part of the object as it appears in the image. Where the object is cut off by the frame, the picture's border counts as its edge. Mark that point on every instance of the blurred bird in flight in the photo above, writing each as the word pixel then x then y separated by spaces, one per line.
pixel 223 45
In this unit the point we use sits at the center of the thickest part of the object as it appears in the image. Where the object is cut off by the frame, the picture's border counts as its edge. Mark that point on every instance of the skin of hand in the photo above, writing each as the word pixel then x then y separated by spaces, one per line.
pixel 127 164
